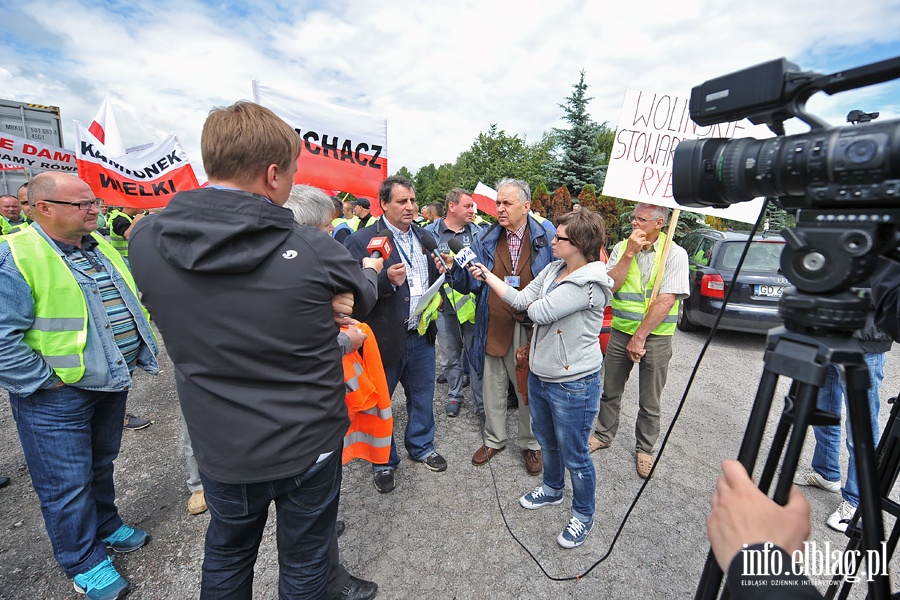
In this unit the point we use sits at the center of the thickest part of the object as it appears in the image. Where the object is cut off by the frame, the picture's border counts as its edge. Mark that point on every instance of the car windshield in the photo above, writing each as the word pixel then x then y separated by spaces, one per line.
pixel 762 256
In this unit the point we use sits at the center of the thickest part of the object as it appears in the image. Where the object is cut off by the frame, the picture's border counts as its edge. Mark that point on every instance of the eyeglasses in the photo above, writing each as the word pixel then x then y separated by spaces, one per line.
pixel 559 238
pixel 641 219
pixel 86 205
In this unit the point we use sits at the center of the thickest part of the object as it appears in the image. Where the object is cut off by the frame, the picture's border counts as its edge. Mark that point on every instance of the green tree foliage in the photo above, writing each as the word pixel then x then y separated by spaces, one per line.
pixel 577 164
pixel 603 147
pixel 404 172
pixel 560 204
pixel 540 199
pixel 495 155
pixel 588 197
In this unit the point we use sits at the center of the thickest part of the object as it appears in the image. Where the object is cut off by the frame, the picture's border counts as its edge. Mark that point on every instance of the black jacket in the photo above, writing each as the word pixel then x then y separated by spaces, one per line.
pixel 389 317
pixel 242 296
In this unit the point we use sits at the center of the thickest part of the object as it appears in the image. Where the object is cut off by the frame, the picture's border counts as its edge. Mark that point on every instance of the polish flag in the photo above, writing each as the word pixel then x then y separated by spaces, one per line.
pixel 106 130
pixel 485 199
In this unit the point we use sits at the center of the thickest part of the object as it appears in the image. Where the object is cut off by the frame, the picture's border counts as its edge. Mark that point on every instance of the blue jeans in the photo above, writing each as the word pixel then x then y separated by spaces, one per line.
pixel 562 415
pixel 306 507
pixel 827 455
pixel 415 372
pixel 70 438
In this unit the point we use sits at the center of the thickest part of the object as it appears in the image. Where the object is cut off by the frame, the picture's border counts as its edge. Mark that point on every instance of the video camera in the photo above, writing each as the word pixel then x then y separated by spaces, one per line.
pixel 846 178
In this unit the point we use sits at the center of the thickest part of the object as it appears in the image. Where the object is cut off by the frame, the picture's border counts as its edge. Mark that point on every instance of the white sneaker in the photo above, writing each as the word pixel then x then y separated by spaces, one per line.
pixel 815 480
pixel 840 518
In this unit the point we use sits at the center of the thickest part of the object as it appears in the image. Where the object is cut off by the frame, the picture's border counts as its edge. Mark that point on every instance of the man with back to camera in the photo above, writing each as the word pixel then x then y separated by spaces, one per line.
pixel 641 331
pixel 407 352
pixel 516 249
pixel 263 398
pixel 457 321
pixel 71 332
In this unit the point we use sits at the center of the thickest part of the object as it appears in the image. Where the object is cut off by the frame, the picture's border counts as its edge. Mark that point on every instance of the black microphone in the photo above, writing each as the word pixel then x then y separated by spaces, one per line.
pixel 464 255
pixel 429 244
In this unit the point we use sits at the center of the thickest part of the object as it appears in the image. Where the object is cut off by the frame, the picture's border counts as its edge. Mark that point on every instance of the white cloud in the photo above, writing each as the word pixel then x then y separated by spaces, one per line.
pixel 439 72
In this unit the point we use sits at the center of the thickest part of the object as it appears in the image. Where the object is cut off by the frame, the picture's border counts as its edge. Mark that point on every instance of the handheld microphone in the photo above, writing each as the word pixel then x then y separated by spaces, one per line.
pixel 429 244
pixel 380 247
pixel 464 255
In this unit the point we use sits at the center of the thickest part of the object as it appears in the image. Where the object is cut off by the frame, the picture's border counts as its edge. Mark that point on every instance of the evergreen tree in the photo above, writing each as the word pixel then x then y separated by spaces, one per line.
pixel 588 197
pixel 560 204
pixel 577 164
pixel 540 199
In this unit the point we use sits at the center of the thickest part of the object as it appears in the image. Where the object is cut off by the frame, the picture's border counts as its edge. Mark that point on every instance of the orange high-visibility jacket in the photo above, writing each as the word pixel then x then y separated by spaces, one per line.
pixel 368 404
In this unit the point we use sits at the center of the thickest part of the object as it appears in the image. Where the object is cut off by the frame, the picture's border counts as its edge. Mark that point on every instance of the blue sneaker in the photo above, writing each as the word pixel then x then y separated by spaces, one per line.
pixel 539 497
pixel 575 533
pixel 452 408
pixel 102 582
pixel 127 539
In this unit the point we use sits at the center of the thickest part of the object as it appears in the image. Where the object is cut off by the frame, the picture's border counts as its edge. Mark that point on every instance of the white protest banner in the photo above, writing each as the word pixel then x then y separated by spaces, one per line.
pixel 15 150
pixel 144 179
pixel 650 127
pixel 342 149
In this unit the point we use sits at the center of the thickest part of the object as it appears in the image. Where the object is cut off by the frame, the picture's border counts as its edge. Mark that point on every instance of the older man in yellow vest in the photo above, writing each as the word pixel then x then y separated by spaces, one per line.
pixel 642 328
pixel 71 332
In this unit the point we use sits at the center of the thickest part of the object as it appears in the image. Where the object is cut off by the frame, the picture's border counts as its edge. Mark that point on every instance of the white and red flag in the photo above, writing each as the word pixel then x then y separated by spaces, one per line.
pixel 342 149
pixel 485 199
pixel 106 130
pixel 146 178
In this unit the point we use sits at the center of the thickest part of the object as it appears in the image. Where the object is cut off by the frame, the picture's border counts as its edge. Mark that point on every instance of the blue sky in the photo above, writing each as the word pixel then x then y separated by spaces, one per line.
pixel 440 72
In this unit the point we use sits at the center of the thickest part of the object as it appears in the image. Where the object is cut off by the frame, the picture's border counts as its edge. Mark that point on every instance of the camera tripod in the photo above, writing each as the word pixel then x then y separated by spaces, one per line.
pixel 816 336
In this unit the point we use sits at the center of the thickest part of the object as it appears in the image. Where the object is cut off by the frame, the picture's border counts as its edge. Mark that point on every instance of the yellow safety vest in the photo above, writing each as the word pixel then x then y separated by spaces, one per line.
pixel 118 241
pixel 631 302
pixel 351 223
pixel 59 331
pixel 463 304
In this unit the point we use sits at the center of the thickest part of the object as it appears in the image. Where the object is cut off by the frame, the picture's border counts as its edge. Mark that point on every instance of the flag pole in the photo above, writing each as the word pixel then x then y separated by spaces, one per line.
pixel 673 222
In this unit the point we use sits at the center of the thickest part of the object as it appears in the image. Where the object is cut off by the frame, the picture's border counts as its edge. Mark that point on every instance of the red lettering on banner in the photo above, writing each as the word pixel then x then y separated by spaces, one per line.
pixel 29 149
pixel 6 143
pixel 654 178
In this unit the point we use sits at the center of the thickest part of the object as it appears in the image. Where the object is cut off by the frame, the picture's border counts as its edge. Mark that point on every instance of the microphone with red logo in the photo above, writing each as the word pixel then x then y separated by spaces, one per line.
pixel 464 255
pixel 380 246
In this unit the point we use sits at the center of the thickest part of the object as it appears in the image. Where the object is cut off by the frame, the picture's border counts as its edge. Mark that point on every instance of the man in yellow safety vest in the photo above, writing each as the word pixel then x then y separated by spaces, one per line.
pixel 642 328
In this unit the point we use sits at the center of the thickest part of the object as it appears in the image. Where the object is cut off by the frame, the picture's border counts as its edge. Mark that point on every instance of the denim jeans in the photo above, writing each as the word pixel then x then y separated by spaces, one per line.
pixel 70 438
pixel 562 415
pixel 415 372
pixel 827 455
pixel 306 508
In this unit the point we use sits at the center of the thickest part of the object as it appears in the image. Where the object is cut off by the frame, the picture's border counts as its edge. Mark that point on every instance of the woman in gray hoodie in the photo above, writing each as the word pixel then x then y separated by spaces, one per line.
pixel 565 302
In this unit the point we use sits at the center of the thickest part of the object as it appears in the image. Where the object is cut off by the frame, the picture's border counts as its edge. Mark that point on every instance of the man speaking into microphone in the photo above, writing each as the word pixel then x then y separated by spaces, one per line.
pixel 407 350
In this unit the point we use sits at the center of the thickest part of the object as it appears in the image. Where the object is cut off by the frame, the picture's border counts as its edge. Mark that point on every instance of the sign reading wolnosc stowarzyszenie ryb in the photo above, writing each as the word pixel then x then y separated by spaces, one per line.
pixel 650 127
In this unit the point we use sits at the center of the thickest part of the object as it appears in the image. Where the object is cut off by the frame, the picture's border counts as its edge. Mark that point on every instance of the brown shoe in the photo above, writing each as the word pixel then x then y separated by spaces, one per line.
pixel 644 464
pixel 484 454
pixel 534 462
pixel 595 443
pixel 197 503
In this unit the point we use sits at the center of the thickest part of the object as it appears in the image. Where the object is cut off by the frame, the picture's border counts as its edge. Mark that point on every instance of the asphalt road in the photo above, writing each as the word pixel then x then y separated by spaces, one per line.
pixel 444 535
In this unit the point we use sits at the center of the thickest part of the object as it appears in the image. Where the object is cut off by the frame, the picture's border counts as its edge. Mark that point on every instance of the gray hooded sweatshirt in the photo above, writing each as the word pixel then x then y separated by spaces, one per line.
pixel 568 317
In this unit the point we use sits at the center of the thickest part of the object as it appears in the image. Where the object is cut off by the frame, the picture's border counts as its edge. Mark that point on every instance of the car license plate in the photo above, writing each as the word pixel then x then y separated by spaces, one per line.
pixel 768 291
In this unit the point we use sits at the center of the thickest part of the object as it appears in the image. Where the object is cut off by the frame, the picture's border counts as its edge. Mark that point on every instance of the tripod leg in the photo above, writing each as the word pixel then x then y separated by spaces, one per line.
pixel 711 578
pixel 857 382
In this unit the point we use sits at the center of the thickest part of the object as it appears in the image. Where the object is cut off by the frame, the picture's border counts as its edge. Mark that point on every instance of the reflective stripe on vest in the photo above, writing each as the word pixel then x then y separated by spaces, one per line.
pixel 368 404
pixel 59 331
pixel 463 304
pixel 631 302
pixel 118 241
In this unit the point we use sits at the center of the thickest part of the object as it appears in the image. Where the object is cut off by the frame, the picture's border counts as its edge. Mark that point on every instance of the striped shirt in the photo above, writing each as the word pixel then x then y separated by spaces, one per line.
pixel 121 321
pixel 410 249
pixel 514 242
pixel 675 278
